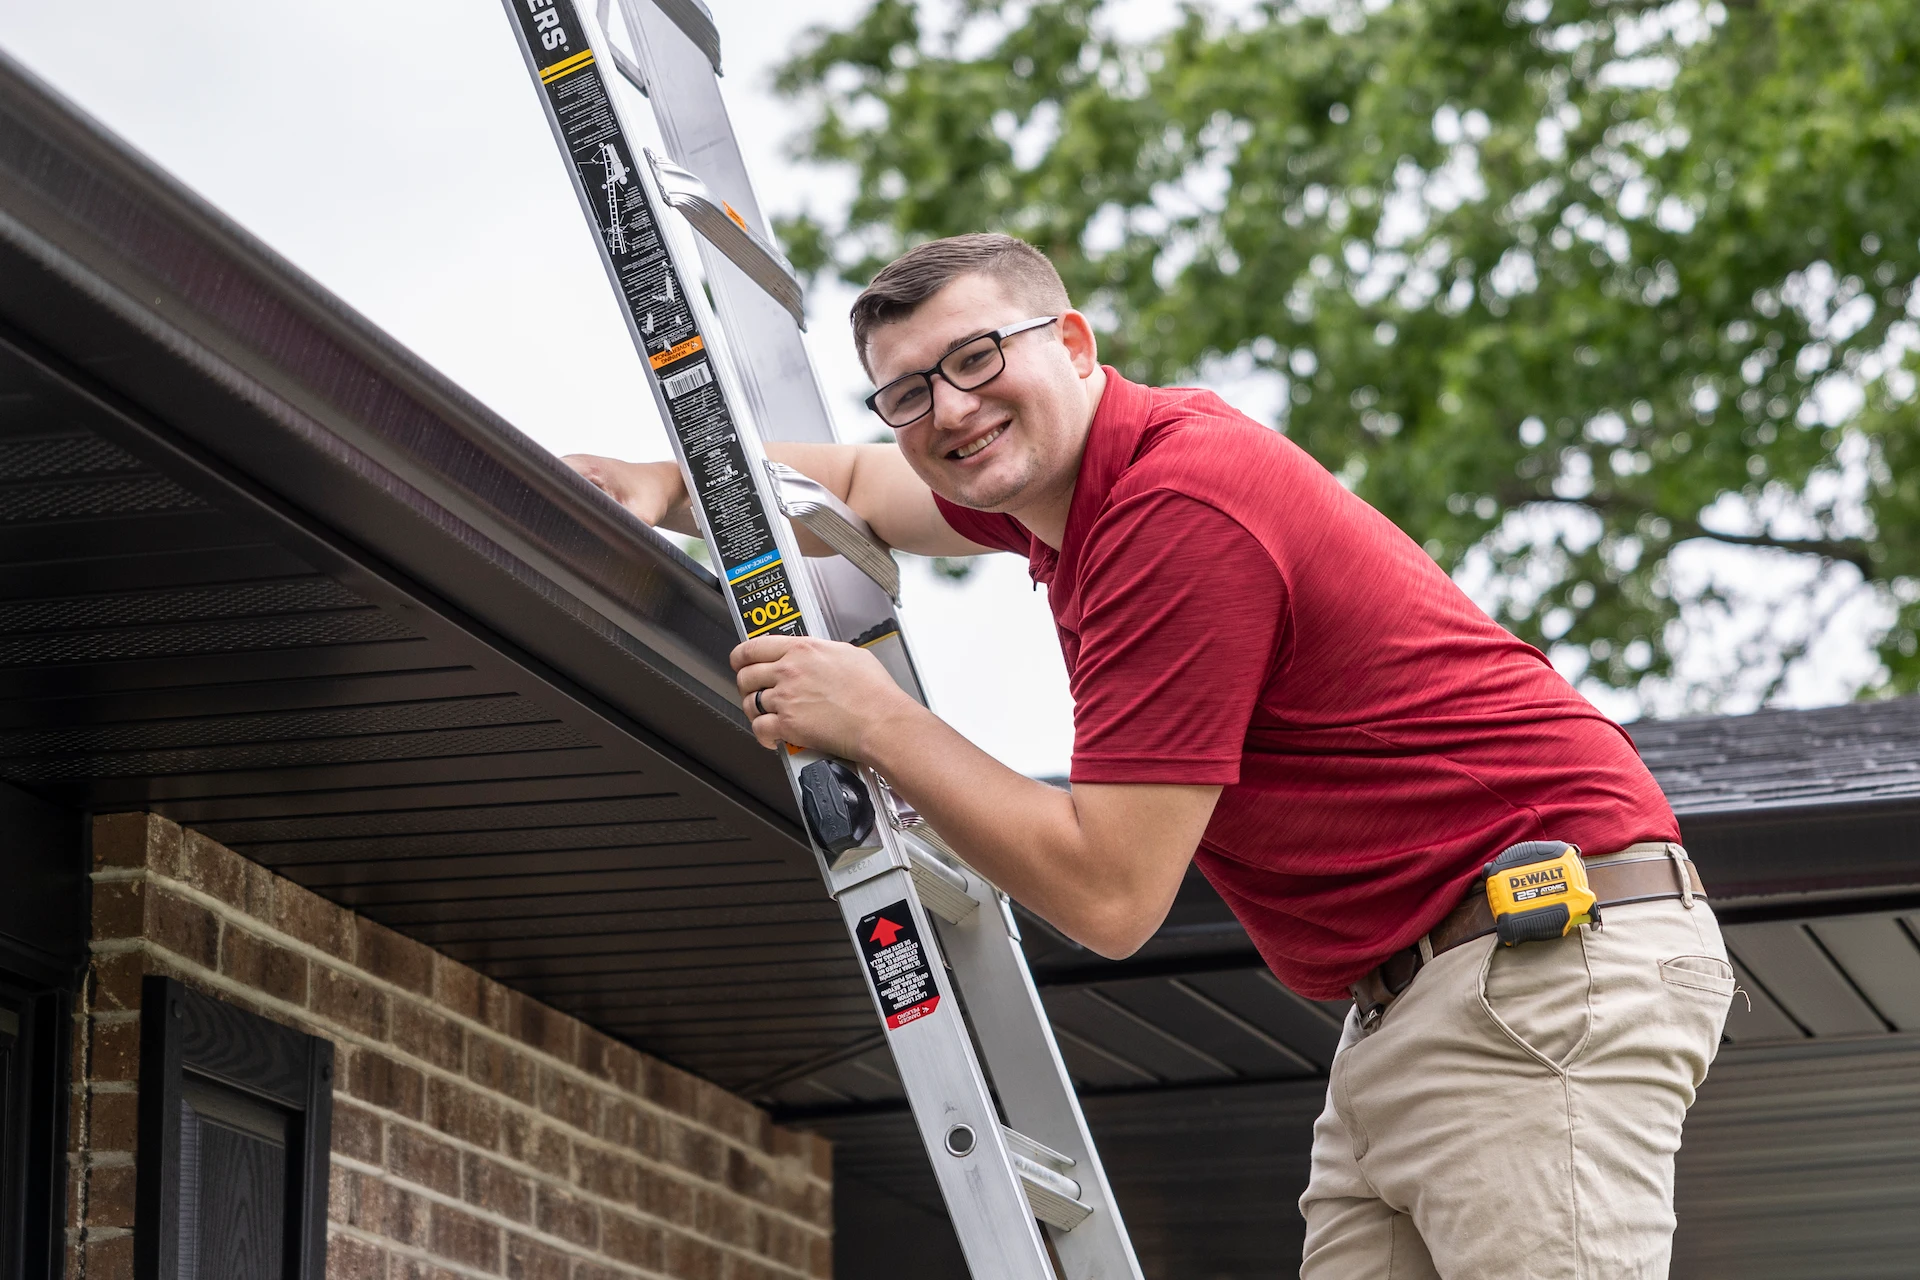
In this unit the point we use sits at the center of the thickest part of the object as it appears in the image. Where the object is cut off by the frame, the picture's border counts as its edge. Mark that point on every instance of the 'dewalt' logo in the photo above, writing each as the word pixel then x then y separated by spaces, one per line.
pixel 1530 879
pixel 546 21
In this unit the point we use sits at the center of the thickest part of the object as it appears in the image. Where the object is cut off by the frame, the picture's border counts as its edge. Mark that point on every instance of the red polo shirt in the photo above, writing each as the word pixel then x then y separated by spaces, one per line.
pixel 1231 615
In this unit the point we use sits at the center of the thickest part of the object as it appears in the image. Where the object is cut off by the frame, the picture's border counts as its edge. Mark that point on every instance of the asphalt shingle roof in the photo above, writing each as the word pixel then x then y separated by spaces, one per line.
pixel 1864 753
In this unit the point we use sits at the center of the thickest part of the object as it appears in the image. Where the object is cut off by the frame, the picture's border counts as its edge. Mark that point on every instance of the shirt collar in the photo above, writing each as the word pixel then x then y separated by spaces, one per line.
pixel 1113 439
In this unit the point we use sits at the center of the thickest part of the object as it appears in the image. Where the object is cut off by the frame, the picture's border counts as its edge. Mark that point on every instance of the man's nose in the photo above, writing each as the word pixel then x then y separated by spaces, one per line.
pixel 951 406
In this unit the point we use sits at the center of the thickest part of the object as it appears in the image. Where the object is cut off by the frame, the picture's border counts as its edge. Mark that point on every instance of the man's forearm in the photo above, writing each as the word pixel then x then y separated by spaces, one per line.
pixel 1027 837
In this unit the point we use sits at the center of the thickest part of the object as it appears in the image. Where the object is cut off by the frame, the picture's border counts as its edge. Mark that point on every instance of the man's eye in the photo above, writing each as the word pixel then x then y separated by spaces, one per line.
pixel 907 397
pixel 972 360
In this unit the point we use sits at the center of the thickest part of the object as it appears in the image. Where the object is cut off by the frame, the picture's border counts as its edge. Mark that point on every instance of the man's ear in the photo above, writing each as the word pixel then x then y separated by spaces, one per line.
pixel 1082 348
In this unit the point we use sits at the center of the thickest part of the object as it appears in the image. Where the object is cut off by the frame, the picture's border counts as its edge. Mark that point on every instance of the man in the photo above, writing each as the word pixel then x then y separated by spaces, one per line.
pixel 1273 681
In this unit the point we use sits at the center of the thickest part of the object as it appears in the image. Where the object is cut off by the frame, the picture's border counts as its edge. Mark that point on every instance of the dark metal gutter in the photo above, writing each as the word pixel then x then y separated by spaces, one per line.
pixel 114 268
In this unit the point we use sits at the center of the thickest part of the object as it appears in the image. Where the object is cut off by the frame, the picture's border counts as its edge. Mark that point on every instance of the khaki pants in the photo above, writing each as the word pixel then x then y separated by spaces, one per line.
pixel 1516 1112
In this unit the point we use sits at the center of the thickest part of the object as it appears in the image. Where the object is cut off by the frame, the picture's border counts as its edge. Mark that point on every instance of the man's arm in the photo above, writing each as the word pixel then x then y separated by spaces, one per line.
pixel 873 479
pixel 1100 863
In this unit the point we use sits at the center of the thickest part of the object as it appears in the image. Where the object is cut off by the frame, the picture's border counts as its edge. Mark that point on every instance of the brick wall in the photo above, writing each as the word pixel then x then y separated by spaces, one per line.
pixel 475 1132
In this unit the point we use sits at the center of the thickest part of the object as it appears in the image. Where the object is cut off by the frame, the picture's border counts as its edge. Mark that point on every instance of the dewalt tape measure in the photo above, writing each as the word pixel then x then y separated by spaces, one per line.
pixel 1538 890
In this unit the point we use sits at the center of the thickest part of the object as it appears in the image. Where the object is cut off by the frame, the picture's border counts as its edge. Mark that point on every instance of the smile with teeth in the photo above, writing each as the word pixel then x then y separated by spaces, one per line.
pixel 968 450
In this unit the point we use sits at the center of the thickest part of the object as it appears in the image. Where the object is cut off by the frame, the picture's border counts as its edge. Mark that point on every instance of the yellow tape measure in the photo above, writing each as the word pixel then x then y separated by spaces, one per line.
pixel 1538 890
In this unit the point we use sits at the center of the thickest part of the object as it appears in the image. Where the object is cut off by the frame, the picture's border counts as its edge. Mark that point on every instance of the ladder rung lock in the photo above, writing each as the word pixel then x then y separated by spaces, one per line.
pixel 742 246
pixel 943 890
pixel 815 507
pixel 1053 1197
pixel 1034 1149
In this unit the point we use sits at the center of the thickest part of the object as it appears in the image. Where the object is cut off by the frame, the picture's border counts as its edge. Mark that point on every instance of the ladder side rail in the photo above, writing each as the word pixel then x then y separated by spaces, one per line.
pixel 780 380
pixel 1015 1037
pixel 670 327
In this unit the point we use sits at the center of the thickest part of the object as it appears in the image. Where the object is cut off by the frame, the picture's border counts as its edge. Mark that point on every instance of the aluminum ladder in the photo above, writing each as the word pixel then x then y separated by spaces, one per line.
pixel 1008 1143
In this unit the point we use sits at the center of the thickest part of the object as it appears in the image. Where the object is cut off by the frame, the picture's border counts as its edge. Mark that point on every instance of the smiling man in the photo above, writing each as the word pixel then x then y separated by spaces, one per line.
pixel 1272 682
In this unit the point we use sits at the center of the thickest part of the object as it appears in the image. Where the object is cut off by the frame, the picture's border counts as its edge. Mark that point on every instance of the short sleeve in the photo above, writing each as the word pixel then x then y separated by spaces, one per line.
pixel 1182 615
pixel 989 529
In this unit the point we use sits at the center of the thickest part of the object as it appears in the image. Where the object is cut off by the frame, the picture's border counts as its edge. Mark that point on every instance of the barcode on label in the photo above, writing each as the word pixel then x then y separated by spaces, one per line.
pixel 680 383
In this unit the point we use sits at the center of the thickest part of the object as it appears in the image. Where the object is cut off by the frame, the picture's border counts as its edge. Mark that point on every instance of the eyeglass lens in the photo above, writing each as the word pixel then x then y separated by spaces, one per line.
pixel 904 400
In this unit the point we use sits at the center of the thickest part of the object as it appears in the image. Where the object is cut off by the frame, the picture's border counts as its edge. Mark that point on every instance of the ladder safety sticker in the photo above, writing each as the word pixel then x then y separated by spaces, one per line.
pixel 663 323
pixel 678 351
pixel 678 384
pixel 897 964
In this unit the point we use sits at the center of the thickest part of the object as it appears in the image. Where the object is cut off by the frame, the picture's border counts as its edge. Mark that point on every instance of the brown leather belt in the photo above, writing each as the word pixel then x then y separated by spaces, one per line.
pixel 1638 873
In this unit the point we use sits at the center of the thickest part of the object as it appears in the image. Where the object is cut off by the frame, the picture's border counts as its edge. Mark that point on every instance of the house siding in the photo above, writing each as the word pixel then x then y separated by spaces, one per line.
pixel 476 1132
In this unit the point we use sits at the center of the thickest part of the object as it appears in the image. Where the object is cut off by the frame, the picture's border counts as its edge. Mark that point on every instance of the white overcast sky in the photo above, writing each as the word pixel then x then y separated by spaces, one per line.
pixel 397 153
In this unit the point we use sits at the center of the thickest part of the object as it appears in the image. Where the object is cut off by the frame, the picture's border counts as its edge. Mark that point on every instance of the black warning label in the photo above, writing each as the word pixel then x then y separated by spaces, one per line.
pixel 897 963
pixel 655 299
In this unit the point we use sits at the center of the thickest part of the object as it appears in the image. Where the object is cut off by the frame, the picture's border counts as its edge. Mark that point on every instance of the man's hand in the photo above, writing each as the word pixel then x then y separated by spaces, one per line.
pixel 817 693
pixel 653 491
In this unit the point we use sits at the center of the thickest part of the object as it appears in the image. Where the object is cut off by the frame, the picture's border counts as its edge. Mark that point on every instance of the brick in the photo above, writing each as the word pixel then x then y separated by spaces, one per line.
pixel 110 1258
pixel 627 1240
pixel 384 1209
pixel 820 1258
pixel 119 909
pixel 568 1100
pixel 375 1078
pixel 116 980
pixel 668 1199
pixel 358 1133
pixel 695 1150
pixel 500 1068
pixel 497 1007
pixel 393 958
pixel 211 868
pixel 113 1121
pixel 460 1237
pixel 265 966
pixel 491 1186
pixel 609 1176
pixel 115 1051
pixel 748 1176
pixel 559 1214
pixel 821 1151
pixel 722 1218
pixel 110 1195
pixel 669 1086
pixel 720 1111
pixel 545 1029
pixel 350 1258
pixel 185 928
pixel 420 1031
pixel 343 1185
pixel 120 839
pixel 415 1269
pixel 305 915
pixel 627 1125
pixel 688 1258
pixel 463 1113
pixel 456 988
pixel 346 1000
pixel 423 1160
pixel 531 1260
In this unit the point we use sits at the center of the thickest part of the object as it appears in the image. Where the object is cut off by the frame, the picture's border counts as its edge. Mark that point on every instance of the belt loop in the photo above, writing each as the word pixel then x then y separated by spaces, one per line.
pixel 1426 949
pixel 1679 856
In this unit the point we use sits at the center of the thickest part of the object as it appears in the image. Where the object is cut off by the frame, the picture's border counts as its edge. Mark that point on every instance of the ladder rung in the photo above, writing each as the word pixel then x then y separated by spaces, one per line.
pixel 625 65
pixel 813 506
pixel 696 23
pixel 726 231
pixel 944 890
pixel 1053 1196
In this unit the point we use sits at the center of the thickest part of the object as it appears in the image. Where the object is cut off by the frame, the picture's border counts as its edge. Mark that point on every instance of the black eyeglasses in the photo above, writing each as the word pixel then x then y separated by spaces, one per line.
pixel 967 367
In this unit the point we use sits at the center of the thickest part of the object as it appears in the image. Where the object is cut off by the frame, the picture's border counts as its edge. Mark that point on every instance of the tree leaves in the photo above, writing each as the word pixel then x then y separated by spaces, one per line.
pixel 1562 288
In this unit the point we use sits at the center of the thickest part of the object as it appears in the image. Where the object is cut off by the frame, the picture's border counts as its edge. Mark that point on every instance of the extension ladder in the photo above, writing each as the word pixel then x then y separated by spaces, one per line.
pixel 1008 1144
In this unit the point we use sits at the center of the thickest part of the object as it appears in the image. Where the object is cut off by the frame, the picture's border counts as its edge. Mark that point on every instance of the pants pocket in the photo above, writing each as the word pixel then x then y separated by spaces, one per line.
pixel 1710 974
pixel 1540 995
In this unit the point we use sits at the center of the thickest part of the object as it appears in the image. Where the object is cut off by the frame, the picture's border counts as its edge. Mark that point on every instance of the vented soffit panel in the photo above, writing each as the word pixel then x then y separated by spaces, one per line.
pixel 114 272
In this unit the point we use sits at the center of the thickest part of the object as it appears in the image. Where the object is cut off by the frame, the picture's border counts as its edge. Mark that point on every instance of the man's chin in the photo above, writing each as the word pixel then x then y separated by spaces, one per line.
pixel 983 493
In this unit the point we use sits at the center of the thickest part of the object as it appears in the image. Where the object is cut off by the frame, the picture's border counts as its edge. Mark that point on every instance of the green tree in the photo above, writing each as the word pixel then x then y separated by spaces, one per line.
pixel 1560 286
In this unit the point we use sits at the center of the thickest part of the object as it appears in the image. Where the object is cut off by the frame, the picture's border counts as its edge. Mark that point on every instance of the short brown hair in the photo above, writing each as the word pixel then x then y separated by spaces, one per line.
pixel 926 269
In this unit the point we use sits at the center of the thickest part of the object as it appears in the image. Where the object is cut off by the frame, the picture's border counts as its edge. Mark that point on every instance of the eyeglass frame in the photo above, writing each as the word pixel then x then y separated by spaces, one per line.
pixel 926 375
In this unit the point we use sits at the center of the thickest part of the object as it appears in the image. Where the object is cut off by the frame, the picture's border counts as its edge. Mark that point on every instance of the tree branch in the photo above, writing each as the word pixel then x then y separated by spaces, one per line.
pixel 1853 551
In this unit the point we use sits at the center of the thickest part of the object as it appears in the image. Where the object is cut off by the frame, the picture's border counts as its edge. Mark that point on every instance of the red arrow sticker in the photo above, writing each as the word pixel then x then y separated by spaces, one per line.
pixel 897 965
